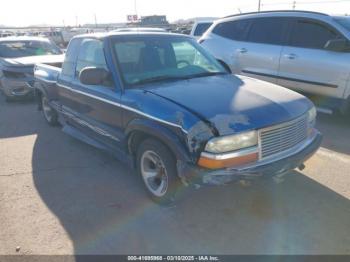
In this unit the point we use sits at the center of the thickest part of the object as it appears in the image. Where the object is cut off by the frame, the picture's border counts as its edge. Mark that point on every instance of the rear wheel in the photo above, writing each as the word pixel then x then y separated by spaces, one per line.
pixel 157 167
pixel 50 114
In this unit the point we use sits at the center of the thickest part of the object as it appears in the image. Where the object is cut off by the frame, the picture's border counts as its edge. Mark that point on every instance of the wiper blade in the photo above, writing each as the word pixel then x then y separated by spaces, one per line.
pixel 158 79
pixel 207 74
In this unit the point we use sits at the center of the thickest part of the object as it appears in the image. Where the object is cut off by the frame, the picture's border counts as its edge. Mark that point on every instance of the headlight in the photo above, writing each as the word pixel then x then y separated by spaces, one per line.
pixel 311 116
pixel 232 143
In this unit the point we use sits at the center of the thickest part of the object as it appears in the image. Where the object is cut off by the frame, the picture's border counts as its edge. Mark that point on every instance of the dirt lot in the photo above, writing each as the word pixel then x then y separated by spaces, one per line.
pixel 60 196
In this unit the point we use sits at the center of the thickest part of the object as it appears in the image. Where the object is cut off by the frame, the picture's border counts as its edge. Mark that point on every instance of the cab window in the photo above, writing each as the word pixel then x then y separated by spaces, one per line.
pixel 70 60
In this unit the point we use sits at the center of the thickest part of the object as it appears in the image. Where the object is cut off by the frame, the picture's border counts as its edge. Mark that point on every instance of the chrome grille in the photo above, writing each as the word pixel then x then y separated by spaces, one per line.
pixel 279 138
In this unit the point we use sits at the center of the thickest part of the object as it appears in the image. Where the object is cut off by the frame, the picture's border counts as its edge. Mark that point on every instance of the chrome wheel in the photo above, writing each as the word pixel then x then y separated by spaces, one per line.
pixel 154 173
pixel 47 110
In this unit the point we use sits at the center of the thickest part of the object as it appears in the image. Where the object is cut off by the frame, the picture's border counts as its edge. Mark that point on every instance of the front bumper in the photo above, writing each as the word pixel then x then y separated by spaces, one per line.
pixel 17 87
pixel 277 165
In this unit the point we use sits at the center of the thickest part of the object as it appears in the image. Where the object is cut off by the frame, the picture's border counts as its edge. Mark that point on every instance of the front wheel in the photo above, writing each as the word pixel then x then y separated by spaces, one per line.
pixel 157 167
pixel 49 113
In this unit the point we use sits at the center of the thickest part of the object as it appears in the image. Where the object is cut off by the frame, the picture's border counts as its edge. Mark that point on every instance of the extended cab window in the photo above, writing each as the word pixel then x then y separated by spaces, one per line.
pixel 68 67
pixel 91 55
pixel 310 34
pixel 234 30
pixel 267 30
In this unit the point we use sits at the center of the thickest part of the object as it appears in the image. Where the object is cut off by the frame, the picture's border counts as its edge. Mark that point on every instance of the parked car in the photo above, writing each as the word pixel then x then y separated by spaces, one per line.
pixel 175 120
pixel 60 38
pixel 305 51
pixel 17 58
pixel 199 28
pixel 6 34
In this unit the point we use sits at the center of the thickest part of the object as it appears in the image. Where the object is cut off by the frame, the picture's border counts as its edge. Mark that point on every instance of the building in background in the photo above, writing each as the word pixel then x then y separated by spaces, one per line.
pixel 154 20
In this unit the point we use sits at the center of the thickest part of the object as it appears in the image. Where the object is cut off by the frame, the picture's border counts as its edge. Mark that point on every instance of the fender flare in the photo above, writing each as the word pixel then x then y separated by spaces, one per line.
pixel 160 132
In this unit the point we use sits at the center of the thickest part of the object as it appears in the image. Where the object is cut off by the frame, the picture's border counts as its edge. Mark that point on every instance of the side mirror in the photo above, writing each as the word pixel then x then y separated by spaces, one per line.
pixel 93 76
pixel 337 45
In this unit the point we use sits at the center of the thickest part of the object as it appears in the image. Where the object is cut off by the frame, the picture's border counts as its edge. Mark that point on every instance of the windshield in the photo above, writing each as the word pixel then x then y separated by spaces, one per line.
pixel 13 49
pixel 344 21
pixel 152 59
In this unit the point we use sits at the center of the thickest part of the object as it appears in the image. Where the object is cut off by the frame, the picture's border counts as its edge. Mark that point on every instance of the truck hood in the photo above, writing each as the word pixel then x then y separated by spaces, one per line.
pixel 234 103
pixel 31 60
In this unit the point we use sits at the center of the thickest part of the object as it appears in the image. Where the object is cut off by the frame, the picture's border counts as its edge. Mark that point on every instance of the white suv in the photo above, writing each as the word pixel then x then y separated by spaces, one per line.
pixel 305 51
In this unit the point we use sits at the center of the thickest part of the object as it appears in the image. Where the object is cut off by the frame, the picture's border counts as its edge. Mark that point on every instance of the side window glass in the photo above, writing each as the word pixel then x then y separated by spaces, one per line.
pixel 309 34
pixel 68 67
pixel 234 30
pixel 91 55
pixel 267 30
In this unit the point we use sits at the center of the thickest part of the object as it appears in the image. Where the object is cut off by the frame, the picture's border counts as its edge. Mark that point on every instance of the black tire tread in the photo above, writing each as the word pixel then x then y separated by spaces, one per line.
pixel 169 161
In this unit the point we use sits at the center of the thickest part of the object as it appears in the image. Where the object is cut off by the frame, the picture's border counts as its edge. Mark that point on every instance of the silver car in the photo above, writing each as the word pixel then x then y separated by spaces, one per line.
pixel 305 51
pixel 18 55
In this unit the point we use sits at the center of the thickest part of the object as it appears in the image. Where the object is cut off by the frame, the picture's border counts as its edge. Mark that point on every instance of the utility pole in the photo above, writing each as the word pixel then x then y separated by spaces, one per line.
pixel 95 20
pixel 76 21
pixel 294 4
pixel 259 6
pixel 135 7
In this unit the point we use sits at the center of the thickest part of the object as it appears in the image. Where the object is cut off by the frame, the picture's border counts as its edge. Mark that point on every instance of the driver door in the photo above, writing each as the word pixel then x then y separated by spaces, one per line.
pixel 97 106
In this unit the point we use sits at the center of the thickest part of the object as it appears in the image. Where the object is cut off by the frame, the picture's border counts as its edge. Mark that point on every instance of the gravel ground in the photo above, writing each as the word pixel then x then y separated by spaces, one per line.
pixel 60 196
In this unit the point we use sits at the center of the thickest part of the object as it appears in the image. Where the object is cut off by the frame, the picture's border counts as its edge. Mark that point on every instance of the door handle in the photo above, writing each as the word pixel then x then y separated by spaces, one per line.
pixel 242 50
pixel 290 56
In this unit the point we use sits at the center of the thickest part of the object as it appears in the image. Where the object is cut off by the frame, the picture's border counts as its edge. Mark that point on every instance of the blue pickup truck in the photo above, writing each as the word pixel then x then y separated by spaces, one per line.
pixel 163 104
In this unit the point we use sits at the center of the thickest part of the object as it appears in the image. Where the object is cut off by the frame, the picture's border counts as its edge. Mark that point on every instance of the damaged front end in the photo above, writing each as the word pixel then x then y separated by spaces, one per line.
pixel 277 165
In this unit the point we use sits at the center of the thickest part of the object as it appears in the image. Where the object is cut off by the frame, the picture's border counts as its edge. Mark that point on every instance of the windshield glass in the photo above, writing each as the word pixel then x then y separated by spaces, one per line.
pixel 152 59
pixel 344 21
pixel 13 49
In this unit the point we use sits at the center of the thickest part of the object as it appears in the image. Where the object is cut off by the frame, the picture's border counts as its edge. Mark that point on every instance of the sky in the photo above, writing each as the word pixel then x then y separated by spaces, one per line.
pixel 69 12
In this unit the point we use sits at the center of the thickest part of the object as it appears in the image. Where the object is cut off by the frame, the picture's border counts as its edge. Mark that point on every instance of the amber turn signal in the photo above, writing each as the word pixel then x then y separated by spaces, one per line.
pixel 230 162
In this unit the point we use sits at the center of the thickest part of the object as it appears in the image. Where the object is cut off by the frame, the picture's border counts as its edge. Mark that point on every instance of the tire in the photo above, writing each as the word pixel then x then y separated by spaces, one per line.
pixel 49 113
pixel 156 166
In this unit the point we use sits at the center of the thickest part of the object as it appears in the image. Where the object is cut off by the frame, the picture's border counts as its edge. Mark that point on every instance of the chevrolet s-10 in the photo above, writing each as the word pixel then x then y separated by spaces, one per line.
pixel 163 104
